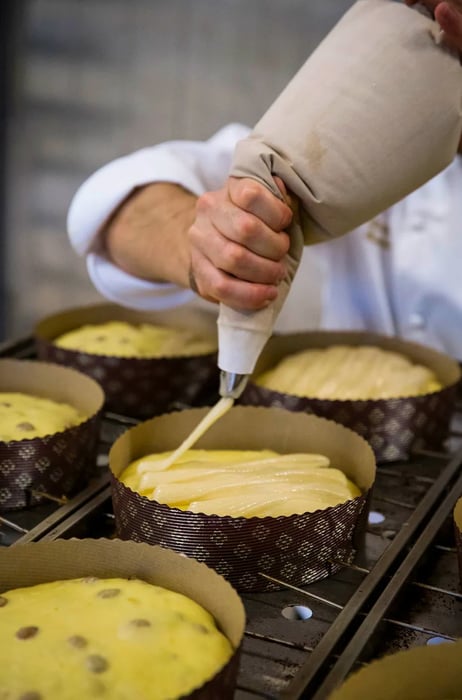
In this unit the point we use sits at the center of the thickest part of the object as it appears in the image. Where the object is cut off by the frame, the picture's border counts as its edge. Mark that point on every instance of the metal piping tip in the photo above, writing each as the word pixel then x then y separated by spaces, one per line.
pixel 232 385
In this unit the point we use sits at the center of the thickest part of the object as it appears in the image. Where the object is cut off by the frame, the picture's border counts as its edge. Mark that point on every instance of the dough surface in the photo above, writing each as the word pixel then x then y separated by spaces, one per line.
pixel 347 372
pixel 120 339
pixel 23 416
pixel 115 639
pixel 241 483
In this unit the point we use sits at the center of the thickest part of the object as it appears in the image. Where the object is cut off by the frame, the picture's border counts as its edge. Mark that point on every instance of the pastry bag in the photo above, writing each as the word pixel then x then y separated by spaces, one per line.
pixel 373 114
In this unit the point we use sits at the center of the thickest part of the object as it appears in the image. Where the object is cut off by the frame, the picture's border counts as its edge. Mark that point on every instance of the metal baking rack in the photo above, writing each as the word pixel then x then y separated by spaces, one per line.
pixel 402 590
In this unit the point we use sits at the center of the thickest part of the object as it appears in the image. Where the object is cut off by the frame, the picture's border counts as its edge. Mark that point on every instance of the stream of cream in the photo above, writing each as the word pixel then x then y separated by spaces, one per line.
pixel 221 407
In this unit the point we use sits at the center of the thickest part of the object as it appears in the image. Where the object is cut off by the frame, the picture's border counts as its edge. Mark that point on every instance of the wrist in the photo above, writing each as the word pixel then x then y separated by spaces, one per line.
pixel 147 235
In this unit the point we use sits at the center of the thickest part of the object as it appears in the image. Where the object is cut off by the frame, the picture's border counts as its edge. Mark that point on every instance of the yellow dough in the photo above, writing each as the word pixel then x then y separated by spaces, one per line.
pixel 241 483
pixel 120 339
pixel 113 638
pixel 346 372
pixel 23 416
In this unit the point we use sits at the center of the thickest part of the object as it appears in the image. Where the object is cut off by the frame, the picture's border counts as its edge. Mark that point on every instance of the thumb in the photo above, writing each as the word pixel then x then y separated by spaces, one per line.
pixel 282 189
pixel 290 199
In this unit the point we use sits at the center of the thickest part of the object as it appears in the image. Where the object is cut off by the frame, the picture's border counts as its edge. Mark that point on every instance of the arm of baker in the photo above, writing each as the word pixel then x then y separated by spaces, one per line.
pixel 130 218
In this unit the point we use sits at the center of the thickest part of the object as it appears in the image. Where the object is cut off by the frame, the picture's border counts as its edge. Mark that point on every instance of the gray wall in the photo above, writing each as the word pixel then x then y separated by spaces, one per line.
pixel 99 78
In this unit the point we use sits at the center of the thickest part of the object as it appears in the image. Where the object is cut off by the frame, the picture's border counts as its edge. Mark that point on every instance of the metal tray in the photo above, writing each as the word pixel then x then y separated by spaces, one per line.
pixel 402 591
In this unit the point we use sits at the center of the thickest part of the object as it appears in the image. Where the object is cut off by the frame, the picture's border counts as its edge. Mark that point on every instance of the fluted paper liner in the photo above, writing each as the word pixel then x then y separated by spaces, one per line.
pixel 422 673
pixel 298 549
pixel 30 564
pixel 458 535
pixel 137 387
pixel 393 427
pixel 59 464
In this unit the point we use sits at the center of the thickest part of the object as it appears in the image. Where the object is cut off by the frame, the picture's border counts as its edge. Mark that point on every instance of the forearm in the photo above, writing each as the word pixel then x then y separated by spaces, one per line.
pixel 147 235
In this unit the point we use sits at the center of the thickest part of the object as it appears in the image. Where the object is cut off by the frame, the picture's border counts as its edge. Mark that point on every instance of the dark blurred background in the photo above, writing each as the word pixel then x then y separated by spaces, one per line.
pixel 84 81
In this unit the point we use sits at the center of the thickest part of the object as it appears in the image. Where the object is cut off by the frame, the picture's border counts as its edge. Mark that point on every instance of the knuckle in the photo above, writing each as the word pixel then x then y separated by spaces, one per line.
pixel 247 227
pixel 205 202
pixel 248 194
pixel 235 255
pixel 220 287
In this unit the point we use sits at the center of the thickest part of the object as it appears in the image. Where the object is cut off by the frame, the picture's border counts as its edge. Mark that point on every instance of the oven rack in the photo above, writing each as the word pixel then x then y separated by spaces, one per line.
pixel 402 590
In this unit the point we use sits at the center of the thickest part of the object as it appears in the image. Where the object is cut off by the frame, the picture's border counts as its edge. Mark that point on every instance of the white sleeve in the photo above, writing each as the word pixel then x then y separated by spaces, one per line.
pixel 197 166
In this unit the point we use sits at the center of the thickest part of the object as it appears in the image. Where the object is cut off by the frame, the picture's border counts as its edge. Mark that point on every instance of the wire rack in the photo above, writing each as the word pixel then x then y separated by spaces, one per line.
pixel 402 590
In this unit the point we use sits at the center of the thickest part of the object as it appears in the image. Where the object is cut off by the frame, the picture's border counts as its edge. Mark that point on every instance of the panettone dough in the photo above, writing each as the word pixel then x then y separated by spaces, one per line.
pixel 112 638
pixel 121 339
pixel 23 416
pixel 241 483
pixel 348 372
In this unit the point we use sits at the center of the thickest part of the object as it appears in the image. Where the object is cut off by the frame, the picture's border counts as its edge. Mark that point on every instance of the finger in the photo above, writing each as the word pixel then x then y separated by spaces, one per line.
pixel 216 285
pixel 238 226
pixel 450 20
pixel 449 17
pixel 282 189
pixel 232 257
pixel 258 200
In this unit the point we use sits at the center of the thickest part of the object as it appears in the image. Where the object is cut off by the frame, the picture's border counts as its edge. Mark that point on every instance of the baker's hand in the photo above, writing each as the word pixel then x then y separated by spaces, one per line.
pixel 448 14
pixel 237 244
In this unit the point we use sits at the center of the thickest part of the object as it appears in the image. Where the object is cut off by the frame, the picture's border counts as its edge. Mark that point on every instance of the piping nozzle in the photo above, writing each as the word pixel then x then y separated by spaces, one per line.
pixel 232 385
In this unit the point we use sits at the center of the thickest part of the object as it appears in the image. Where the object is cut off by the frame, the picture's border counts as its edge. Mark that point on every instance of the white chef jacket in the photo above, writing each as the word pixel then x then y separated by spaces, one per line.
pixel 397 275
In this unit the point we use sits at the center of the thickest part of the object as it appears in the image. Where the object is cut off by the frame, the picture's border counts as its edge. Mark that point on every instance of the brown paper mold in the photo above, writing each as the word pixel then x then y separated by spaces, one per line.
pixel 137 387
pixel 42 562
pixel 393 427
pixel 297 549
pixel 57 464
pixel 458 534
pixel 421 673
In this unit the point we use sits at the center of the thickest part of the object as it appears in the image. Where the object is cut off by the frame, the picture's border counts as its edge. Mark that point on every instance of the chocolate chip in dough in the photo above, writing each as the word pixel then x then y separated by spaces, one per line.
pixel 96 663
pixel 30 695
pixel 108 593
pixel 90 579
pixel 140 622
pixel 26 426
pixel 201 628
pixel 5 403
pixel 27 632
pixel 3 601
pixel 77 641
